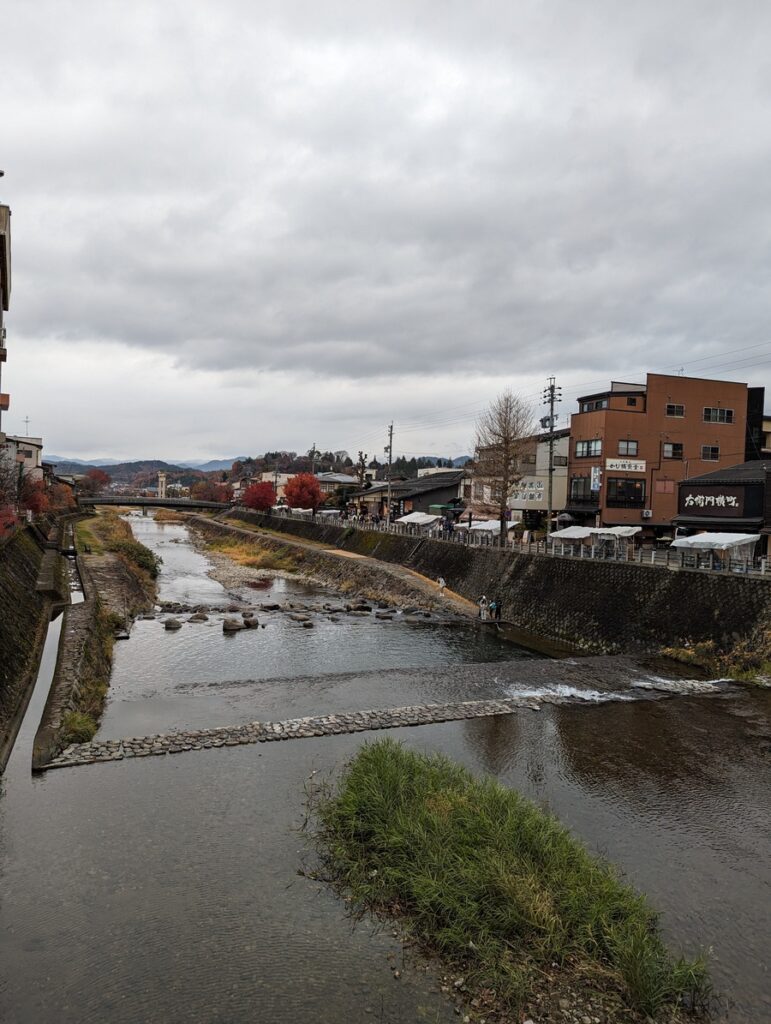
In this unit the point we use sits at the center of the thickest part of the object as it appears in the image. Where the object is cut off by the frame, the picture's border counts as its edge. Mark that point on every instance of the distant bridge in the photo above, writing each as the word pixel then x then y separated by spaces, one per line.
pixel 126 499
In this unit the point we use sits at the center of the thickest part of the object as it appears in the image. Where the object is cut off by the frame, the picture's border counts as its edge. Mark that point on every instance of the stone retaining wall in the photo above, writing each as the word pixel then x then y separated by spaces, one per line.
pixel 605 606
pixel 341 575
pixel 83 656
pixel 25 611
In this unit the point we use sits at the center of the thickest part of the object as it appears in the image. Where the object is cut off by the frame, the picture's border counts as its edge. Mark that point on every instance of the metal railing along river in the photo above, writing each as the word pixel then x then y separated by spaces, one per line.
pixel 663 558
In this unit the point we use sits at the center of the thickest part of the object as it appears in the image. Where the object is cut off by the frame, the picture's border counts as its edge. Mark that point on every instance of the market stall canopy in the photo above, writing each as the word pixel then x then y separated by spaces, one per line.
pixel 571 533
pixel 419 519
pixel 490 526
pixel 615 531
pixel 716 541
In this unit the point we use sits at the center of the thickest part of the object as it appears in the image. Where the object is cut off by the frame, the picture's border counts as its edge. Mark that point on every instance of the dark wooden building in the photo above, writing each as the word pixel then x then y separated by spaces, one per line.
pixel 736 499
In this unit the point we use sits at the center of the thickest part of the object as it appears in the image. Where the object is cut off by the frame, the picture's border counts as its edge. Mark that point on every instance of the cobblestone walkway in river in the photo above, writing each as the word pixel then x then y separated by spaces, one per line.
pixel 292 729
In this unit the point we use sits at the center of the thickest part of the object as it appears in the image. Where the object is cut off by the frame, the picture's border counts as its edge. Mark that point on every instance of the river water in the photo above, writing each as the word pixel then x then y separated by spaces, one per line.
pixel 166 889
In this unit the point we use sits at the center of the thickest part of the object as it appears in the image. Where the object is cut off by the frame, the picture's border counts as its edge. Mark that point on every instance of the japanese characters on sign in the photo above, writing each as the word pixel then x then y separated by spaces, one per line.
pixel 626 465
pixel 529 490
pixel 722 501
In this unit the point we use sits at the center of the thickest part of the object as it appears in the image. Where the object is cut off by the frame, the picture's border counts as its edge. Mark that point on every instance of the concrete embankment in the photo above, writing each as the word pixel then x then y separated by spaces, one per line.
pixel 112 596
pixel 32 583
pixel 360 576
pixel 601 606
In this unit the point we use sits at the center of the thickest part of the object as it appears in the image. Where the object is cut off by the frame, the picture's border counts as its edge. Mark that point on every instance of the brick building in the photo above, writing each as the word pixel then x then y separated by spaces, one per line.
pixel 632 444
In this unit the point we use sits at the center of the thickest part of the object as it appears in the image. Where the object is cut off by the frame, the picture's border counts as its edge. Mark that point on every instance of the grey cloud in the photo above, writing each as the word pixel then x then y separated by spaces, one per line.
pixel 321 188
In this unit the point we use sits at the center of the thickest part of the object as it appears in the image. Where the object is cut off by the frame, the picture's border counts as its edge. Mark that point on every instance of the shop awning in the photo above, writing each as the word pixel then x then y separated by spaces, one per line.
pixel 726 524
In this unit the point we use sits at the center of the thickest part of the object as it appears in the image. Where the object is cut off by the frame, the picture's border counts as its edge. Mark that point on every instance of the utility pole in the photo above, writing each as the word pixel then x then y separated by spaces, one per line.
pixel 551 395
pixel 26 426
pixel 390 449
pixel 313 454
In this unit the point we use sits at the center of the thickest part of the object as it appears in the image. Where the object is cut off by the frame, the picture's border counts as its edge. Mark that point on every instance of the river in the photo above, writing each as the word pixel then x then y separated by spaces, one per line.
pixel 166 889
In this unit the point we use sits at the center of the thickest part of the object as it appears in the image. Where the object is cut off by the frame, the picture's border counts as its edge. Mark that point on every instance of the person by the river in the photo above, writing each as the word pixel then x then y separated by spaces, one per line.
pixel 482 602
pixel 492 608
pixel 441 583
pixel 498 609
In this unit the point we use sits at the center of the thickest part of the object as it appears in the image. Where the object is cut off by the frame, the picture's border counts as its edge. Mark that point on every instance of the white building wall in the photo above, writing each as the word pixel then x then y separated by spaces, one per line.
pixel 532 491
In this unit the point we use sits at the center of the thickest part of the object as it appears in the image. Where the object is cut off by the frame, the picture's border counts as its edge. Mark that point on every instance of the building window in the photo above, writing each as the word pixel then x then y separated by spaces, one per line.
pixel 627 447
pixel 712 415
pixel 580 488
pixel 710 453
pixel 586 449
pixel 676 410
pixel 631 401
pixel 673 451
pixel 596 403
pixel 528 460
pixel 624 492
pixel 665 487
pixel 560 460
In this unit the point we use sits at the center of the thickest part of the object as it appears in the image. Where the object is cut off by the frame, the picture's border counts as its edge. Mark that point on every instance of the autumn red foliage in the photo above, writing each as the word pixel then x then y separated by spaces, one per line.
pixel 61 498
pixel 260 496
pixel 303 491
pixel 34 497
pixel 208 490
pixel 93 482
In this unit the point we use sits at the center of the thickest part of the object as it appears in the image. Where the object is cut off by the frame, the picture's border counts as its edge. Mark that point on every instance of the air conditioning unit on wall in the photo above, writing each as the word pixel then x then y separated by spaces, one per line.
pixel 647 513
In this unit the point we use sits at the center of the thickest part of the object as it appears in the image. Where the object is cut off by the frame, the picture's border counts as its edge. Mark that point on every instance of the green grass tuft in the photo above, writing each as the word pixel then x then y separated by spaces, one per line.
pixel 498 888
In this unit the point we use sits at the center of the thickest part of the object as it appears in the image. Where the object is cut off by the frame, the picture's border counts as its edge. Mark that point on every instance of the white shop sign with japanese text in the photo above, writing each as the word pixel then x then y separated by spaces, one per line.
pixel 625 465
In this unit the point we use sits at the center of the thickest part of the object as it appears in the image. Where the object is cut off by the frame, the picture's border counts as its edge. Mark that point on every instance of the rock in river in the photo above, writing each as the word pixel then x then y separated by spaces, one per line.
pixel 232 625
pixel 172 624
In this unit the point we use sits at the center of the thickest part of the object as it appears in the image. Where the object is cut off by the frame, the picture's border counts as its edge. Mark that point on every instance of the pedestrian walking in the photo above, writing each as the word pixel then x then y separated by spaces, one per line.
pixel 498 609
pixel 442 584
pixel 482 602
pixel 492 609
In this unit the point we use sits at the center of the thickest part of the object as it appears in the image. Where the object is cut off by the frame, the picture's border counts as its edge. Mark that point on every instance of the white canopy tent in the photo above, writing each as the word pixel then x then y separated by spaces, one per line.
pixel 571 533
pixel 489 526
pixel 419 519
pixel 717 542
pixel 615 531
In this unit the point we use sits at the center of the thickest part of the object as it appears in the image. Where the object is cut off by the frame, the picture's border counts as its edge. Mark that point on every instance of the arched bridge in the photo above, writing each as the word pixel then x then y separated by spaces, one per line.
pixel 127 499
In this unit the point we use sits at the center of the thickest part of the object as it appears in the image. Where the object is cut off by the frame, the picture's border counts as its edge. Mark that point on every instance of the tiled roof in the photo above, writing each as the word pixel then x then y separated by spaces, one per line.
pixel 745 473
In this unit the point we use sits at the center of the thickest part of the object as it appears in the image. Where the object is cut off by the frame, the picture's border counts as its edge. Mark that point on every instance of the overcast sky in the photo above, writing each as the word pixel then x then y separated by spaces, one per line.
pixel 248 225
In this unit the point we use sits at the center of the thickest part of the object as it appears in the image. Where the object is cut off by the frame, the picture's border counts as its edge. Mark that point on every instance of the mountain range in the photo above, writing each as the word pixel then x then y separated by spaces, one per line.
pixel 204 467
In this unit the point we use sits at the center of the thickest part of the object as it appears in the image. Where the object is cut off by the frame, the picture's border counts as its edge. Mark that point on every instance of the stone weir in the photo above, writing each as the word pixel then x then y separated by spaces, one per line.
pixel 597 605
pixel 181 741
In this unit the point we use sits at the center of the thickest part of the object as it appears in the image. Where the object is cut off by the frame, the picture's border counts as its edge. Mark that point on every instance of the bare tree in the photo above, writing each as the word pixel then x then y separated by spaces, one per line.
pixel 10 479
pixel 502 438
